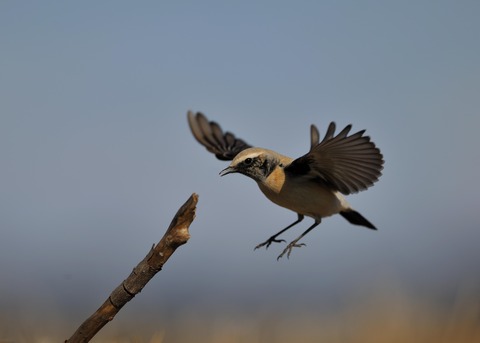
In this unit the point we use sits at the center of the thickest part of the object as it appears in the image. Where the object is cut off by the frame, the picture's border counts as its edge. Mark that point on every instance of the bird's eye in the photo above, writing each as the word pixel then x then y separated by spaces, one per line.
pixel 248 161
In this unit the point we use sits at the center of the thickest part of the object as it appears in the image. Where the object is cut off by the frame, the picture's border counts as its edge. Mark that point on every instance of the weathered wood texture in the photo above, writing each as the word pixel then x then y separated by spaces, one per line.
pixel 176 235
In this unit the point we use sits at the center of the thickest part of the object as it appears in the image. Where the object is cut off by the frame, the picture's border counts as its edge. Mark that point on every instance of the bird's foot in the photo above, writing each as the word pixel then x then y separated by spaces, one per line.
pixel 288 249
pixel 268 242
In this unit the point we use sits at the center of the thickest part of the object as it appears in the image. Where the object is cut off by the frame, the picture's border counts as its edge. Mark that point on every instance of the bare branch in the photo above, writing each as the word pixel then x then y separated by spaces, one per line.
pixel 176 235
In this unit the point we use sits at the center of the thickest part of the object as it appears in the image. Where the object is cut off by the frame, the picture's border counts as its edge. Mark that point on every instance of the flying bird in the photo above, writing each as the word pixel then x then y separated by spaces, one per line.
pixel 312 185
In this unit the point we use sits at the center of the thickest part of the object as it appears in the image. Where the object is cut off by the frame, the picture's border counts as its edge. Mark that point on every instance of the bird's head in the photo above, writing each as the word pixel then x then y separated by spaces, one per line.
pixel 255 163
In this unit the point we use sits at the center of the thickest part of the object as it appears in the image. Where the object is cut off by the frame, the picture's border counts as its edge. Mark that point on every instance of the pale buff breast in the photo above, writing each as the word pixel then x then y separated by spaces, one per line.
pixel 302 196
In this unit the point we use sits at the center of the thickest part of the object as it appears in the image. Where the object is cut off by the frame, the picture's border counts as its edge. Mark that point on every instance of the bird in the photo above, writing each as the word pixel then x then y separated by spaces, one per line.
pixel 312 185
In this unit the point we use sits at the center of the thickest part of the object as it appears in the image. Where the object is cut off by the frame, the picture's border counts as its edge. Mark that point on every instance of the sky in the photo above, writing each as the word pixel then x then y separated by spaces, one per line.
pixel 96 154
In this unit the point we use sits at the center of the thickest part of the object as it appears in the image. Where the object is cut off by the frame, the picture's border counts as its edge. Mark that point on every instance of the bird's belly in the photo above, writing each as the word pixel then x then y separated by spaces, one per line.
pixel 311 200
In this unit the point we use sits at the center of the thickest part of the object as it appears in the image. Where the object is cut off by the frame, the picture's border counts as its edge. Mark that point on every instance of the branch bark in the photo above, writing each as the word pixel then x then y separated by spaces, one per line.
pixel 176 235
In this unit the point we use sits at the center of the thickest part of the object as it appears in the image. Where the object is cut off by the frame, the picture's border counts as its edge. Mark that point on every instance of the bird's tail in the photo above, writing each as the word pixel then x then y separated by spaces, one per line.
pixel 356 218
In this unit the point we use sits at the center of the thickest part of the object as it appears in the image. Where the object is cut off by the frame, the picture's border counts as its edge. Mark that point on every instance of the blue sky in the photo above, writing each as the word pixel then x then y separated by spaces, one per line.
pixel 97 155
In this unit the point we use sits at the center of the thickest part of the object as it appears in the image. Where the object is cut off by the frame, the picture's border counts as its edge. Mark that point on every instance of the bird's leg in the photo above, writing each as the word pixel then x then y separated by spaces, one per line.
pixel 294 243
pixel 274 237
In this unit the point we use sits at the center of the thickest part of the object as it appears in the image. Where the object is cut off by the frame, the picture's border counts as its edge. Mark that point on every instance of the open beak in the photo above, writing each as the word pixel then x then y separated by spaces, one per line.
pixel 228 170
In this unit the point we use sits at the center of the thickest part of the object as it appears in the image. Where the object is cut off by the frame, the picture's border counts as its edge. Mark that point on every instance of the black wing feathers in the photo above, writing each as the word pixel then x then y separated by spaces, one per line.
pixel 314 136
pixel 348 164
pixel 225 146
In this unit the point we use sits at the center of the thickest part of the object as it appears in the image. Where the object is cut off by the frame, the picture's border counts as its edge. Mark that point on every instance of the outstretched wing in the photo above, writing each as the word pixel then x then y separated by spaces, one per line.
pixel 348 164
pixel 314 136
pixel 225 146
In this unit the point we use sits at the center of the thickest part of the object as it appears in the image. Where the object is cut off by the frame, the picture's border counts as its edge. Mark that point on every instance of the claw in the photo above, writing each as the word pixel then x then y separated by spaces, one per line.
pixel 268 242
pixel 288 249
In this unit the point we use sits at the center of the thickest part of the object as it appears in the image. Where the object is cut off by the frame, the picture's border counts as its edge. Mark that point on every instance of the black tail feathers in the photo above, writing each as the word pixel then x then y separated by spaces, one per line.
pixel 357 219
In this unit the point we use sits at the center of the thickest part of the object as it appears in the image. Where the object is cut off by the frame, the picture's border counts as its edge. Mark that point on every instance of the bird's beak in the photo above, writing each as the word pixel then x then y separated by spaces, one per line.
pixel 228 170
